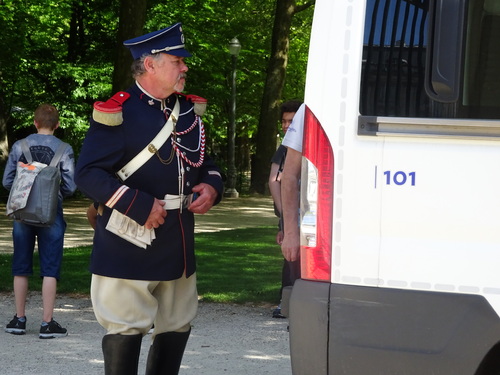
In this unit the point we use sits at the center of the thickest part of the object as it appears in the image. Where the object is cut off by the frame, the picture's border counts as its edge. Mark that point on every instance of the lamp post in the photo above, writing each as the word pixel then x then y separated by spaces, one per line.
pixel 231 192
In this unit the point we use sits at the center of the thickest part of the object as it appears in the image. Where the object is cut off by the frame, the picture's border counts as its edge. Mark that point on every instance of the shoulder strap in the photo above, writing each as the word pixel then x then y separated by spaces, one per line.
pixel 55 160
pixel 26 150
pixel 143 156
pixel 58 155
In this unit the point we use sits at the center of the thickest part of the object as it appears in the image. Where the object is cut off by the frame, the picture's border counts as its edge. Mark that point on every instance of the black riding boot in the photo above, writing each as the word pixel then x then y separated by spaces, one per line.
pixel 165 355
pixel 121 354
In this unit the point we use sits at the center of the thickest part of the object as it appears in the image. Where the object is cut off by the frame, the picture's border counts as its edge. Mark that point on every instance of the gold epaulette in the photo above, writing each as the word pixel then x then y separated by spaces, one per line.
pixel 110 112
pixel 200 104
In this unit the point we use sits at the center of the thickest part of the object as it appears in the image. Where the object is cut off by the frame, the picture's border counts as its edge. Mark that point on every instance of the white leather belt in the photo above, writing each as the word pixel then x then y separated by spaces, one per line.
pixel 158 141
pixel 177 202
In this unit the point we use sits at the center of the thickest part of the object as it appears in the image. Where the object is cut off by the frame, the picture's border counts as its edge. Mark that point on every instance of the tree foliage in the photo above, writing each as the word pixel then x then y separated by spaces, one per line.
pixel 70 53
pixel 275 81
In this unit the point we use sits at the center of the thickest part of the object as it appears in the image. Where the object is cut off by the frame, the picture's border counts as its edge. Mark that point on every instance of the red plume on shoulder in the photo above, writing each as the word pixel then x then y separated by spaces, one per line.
pixel 200 104
pixel 110 112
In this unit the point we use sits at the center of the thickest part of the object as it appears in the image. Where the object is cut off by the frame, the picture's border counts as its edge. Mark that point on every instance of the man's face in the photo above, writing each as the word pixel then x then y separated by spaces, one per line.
pixel 170 74
pixel 286 120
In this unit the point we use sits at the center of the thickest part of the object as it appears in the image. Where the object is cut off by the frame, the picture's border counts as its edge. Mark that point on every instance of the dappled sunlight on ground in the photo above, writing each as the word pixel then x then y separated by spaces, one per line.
pixel 231 213
pixel 225 339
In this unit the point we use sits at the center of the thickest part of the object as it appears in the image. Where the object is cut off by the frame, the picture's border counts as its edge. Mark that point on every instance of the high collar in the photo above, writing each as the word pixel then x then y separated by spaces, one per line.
pixel 150 100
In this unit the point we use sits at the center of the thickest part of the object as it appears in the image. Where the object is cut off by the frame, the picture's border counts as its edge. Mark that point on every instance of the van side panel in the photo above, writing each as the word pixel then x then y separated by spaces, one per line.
pixel 351 330
pixel 393 332
pixel 439 223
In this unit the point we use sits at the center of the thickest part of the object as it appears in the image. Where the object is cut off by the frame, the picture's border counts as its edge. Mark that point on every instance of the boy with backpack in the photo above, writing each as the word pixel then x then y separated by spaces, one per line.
pixel 43 147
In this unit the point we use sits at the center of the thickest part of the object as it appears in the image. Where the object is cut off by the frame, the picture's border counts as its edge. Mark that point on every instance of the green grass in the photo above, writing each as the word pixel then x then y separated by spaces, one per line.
pixel 239 266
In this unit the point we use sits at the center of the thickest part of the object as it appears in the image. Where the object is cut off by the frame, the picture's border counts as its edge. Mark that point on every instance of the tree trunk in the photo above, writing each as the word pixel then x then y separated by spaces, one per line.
pixel 132 18
pixel 271 100
pixel 4 142
pixel 76 40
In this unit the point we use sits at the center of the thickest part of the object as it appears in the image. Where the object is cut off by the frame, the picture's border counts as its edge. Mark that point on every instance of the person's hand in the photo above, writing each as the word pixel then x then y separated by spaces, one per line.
pixel 279 237
pixel 290 247
pixel 157 215
pixel 206 198
pixel 92 215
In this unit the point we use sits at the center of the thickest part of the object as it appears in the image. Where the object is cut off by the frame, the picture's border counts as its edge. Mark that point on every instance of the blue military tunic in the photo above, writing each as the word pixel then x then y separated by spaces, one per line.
pixel 106 149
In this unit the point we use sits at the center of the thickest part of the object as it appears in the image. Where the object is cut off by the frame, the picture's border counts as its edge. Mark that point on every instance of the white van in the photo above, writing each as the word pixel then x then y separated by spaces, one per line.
pixel 400 191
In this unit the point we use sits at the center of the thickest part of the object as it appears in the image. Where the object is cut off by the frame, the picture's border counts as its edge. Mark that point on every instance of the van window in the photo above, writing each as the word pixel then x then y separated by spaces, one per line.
pixel 394 66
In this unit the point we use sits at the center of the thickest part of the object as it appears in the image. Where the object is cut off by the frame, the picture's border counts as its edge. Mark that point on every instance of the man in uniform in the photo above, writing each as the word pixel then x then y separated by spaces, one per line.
pixel 143 262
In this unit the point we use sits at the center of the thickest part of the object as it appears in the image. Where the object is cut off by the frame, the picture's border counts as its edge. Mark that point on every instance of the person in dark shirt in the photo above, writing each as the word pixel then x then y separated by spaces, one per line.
pixel 290 271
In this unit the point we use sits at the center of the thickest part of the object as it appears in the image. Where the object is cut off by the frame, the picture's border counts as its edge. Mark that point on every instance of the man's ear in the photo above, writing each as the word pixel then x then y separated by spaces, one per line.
pixel 149 64
pixel 57 125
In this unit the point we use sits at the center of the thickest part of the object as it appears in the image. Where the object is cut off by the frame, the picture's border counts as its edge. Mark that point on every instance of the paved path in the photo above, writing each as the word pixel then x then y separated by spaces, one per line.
pixel 229 214
pixel 225 339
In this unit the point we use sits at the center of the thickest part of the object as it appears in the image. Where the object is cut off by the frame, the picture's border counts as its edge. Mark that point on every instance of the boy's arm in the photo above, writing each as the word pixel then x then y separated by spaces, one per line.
pixel 10 167
pixel 67 165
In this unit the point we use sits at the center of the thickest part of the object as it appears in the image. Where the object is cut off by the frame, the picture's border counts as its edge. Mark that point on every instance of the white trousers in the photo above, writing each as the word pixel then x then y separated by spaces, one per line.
pixel 130 307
